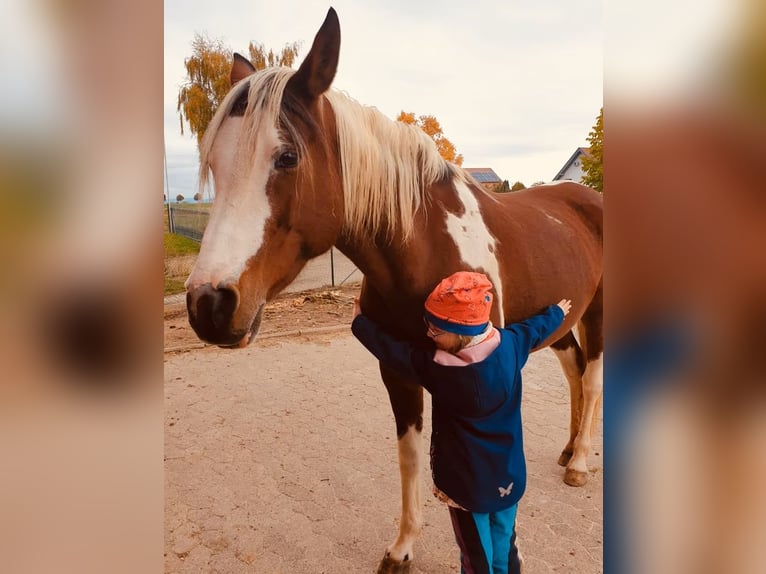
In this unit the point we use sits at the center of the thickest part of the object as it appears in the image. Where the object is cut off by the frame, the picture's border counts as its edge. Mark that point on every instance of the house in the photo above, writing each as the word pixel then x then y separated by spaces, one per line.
pixel 486 176
pixel 572 169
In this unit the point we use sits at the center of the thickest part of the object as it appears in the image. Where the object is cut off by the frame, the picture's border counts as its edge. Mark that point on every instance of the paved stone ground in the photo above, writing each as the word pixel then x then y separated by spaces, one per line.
pixel 281 458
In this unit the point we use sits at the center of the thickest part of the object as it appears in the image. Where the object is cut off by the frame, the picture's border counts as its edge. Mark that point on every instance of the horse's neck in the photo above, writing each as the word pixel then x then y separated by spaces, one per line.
pixel 387 267
pixel 406 267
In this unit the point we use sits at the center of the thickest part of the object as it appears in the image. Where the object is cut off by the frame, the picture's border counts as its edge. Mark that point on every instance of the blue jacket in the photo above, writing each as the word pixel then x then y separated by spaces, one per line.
pixel 477 453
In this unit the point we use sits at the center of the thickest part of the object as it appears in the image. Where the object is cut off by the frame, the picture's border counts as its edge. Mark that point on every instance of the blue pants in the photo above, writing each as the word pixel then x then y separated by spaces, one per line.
pixel 487 541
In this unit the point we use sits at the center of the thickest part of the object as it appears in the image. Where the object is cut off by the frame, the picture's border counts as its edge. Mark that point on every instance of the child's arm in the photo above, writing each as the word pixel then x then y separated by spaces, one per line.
pixel 532 332
pixel 394 354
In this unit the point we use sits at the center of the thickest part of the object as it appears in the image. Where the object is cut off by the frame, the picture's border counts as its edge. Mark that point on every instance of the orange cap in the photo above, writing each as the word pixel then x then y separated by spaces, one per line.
pixel 461 303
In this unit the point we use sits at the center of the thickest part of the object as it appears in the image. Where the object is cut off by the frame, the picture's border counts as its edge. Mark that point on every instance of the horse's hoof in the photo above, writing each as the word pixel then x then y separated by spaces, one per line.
pixel 565 458
pixel 575 477
pixel 390 566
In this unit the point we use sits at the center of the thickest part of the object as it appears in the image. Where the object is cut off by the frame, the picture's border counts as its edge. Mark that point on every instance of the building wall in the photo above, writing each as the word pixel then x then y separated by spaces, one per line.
pixel 574 172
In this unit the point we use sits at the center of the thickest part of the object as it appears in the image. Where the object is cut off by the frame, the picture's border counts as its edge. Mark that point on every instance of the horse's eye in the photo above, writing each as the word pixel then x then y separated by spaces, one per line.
pixel 286 159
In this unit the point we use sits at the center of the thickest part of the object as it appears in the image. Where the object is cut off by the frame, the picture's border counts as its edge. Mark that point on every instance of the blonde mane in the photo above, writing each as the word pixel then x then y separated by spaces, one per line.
pixel 387 166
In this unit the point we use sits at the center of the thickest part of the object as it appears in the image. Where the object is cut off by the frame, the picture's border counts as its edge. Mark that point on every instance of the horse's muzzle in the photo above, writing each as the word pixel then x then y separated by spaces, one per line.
pixel 211 313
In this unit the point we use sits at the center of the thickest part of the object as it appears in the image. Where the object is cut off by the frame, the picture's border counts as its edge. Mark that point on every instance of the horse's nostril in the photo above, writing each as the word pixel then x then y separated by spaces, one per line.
pixel 214 306
pixel 211 311
pixel 224 304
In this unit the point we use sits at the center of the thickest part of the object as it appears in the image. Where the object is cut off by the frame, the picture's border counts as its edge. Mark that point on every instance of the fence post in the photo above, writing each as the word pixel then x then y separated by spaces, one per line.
pixel 171 227
pixel 332 268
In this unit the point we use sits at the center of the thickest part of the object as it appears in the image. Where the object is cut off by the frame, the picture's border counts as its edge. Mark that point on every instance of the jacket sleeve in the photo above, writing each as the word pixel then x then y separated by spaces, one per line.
pixel 393 353
pixel 530 333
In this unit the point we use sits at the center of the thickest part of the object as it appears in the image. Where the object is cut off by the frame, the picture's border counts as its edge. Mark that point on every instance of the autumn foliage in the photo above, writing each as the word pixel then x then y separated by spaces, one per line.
pixel 260 59
pixel 593 162
pixel 207 78
pixel 432 127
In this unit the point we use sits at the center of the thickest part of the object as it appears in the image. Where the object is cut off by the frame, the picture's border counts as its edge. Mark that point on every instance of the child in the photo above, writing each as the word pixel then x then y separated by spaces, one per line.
pixel 474 377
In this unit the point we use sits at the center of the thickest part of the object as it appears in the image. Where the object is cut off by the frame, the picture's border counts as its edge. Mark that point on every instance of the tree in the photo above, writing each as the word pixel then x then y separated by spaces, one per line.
pixel 503 187
pixel 207 82
pixel 432 127
pixel 517 186
pixel 197 196
pixel 593 162
pixel 260 59
pixel 208 78
pixel 179 198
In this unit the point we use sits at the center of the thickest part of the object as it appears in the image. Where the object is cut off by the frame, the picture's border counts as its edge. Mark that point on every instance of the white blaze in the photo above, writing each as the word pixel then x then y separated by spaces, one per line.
pixel 476 245
pixel 237 222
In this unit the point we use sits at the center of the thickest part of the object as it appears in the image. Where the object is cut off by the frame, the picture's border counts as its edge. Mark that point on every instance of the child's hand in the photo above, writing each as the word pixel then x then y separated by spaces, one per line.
pixel 357 309
pixel 566 305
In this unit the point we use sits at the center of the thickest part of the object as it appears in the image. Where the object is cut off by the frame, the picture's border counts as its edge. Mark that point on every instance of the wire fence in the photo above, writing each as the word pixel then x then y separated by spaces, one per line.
pixel 188 220
pixel 332 268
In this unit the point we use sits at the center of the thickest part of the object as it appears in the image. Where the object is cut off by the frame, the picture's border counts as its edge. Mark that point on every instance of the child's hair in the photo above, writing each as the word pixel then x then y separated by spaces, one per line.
pixel 461 342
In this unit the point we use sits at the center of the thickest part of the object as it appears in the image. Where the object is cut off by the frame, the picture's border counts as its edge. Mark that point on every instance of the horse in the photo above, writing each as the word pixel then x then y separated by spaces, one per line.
pixel 299 168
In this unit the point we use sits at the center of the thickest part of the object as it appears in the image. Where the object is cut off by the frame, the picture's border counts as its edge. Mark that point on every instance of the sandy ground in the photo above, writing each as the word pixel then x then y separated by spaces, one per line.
pixel 281 458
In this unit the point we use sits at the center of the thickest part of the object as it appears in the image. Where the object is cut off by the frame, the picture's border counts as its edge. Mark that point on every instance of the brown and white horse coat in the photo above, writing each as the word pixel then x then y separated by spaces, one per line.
pixel 299 168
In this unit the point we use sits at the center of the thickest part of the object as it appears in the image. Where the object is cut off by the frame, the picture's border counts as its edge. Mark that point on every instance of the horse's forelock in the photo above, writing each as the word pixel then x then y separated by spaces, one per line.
pixel 264 91
pixel 293 116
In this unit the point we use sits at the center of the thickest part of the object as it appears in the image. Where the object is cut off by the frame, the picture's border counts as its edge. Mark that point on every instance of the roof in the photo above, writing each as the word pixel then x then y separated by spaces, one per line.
pixel 577 153
pixel 484 174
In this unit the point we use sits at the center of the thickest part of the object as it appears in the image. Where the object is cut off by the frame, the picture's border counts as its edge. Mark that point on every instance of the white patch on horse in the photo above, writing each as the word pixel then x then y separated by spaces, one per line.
pixel 476 245
pixel 238 218
pixel 592 387
pixel 410 447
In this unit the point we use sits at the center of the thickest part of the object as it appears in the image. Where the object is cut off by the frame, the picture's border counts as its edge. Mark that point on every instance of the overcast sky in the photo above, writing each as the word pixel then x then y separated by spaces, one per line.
pixel 516 85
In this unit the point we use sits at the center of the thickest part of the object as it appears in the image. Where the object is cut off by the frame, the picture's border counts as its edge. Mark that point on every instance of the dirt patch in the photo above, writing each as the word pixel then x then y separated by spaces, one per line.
pixel 292 314
pixel 282 458
pixel 179 267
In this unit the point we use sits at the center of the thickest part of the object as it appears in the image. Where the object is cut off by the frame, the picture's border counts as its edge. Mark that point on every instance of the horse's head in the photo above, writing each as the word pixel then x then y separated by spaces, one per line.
pixel 272 151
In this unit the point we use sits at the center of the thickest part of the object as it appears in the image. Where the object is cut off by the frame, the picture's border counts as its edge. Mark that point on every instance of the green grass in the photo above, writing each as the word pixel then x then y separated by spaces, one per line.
pixel 176 245
pixel 197 206
pixel 173 286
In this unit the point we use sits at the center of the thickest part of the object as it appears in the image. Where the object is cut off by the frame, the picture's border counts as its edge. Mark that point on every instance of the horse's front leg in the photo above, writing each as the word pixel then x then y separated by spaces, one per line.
pixel 407 403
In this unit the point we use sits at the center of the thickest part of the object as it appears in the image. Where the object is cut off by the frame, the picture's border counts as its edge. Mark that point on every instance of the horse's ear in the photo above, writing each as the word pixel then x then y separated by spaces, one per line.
pixel 240 68
pixel 317 71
